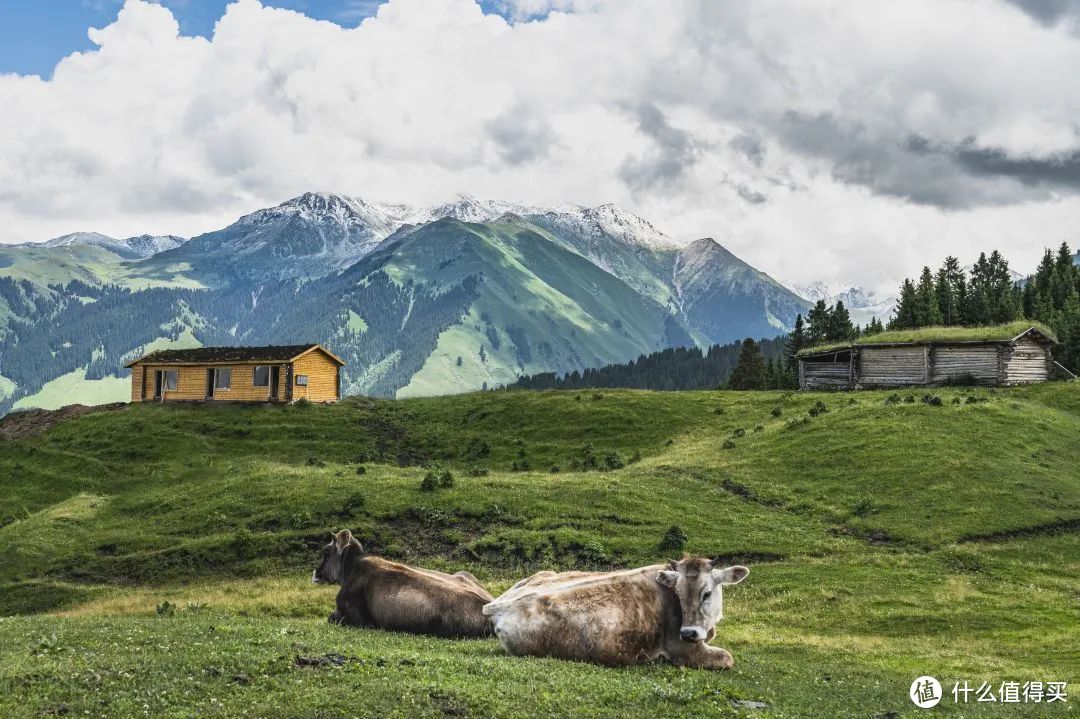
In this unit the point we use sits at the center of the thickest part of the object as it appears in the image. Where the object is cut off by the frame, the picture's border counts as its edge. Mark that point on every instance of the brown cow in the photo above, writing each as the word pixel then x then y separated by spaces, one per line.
pixel 619 618
pixel 379 593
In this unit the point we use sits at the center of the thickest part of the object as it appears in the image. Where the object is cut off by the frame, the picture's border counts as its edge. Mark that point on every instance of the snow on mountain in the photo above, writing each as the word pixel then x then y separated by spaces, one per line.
pixel 862 305
pixel 137 247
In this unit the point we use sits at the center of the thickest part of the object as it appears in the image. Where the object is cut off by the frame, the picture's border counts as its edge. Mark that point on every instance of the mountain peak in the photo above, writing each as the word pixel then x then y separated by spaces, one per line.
pixel 138 247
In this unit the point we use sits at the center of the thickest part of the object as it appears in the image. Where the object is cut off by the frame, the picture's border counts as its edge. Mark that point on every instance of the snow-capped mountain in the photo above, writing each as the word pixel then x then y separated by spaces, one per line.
pixel 418 300
pixel 863 305
pixel 136 247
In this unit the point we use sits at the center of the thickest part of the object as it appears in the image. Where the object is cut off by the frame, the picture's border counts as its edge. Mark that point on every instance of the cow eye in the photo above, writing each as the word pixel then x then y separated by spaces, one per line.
pixel 705 596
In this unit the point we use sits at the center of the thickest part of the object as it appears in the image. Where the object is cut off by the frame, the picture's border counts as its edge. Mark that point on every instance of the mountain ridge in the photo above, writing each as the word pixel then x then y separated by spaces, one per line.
pixel 454 297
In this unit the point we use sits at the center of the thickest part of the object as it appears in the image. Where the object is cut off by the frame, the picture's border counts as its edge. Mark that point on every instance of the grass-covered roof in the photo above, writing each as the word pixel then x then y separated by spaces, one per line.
pixel 985 333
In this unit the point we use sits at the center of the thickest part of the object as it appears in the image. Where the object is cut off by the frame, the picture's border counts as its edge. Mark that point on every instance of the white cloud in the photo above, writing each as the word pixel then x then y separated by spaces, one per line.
pixel 818 140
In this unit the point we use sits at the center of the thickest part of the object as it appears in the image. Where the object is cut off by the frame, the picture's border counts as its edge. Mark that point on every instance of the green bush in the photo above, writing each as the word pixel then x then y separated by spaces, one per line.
pixel 478 471
pixel 446 479
pixel 739 432
pixel 430 482
pixel 729 444
pixel 776 411
pixel 674 539
pixel 612 460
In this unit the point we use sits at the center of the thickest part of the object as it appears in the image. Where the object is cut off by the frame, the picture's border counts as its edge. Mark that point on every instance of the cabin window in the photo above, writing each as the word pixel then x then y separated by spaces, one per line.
pixel 168 380
pixel 301 380
pixel 222 379
pixel 261 377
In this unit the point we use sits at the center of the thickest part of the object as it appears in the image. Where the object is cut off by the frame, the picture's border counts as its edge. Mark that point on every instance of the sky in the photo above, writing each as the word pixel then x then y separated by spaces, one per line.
pixel 848 142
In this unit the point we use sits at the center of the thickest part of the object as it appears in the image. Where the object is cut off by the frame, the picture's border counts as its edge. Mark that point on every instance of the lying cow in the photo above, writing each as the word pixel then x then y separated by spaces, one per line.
pixel 379 593
pixel 619 618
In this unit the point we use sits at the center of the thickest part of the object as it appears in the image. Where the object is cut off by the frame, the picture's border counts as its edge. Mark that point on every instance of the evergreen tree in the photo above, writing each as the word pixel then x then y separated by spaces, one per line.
pixel 749 372
pixel 818 320
pixel 875 327
pixel 839 328
pixel 905 317
pixel 927 310
pixel 796 341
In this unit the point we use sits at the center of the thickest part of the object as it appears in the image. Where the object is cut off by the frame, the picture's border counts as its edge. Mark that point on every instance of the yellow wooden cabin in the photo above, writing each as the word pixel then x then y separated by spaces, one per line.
pixel 238 374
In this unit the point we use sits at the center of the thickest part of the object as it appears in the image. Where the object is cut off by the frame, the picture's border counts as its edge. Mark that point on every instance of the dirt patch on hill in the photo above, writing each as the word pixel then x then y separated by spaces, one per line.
pixel 27 423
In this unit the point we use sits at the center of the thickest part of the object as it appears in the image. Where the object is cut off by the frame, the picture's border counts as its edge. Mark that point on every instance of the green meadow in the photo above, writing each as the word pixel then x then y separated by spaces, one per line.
pixel 156 559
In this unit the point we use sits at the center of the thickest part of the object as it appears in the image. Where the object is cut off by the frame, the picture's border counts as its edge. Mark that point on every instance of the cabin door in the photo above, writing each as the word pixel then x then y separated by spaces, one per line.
pixel 275 378
pixel 210 384
pixel 159 378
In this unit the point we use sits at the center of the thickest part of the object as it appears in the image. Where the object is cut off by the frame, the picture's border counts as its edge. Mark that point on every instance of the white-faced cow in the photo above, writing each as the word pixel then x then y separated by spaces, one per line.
pixel 376 592
pixel 619 618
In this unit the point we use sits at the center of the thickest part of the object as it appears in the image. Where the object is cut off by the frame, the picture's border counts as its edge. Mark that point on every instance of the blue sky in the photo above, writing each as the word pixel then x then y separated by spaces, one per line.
pixel 36 34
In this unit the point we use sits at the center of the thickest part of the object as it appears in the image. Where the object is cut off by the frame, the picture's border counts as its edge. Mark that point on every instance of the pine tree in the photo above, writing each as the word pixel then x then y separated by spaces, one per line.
pixel 818 319
pixel 840 328
pixel 749 372
pixel 927 311
pixel 875 327
pixel 796 341
pixel 905 317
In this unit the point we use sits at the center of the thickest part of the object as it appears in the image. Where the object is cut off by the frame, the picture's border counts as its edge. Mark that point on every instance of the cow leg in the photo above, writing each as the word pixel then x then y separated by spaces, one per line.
pixel 702 656
pixel 336 618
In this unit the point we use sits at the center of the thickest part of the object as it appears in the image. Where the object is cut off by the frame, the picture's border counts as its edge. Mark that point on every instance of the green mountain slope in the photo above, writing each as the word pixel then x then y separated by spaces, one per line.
pixel 409 296
pixel 538 305
pixel 885 541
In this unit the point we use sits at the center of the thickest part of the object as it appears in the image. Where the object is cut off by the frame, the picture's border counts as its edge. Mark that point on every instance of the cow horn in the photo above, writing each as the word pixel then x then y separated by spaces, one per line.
pixel 673 565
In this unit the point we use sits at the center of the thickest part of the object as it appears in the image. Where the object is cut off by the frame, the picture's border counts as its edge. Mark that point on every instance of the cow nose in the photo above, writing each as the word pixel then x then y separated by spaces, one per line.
pixel 690 634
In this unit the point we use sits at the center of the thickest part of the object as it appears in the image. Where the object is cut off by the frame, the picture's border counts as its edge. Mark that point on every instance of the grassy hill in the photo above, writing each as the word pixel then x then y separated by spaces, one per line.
pixel 887 539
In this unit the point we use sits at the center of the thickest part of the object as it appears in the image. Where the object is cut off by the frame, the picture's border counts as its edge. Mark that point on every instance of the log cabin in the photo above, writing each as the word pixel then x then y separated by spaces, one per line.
pixel 994 356
pixel 238 374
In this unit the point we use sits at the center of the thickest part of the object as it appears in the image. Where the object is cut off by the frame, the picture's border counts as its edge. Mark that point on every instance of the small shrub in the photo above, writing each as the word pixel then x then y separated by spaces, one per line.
pixel 302 403
pixel 864 507
pixel 354 502
pixel 478 472
pixel 635 457
pixel 931 399
pixel 476 449
pixel 910 399
pixel 314 461
pixel 819 408
pixel 593 551
pixel 759 428
pixel 577 397
pixel 555 469
pixel 612 460
pixel 521 465
pixel 430 482
pixel 797 421
pixel 729 444
pixel 718 410
pixel 669 442
pixel 361 469
pixel 446 479
pixel 597 397
pixel 892 399
pixel 739 432
pixel 674 539
pixel 166 609
pixel 776 411
pixel 956 400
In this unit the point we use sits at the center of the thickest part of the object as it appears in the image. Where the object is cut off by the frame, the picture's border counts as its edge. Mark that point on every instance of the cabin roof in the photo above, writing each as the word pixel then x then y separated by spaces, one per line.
pixel 233 355
pixel 994 334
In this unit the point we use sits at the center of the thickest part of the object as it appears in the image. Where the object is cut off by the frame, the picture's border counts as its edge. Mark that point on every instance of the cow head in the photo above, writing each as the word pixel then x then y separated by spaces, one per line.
pixel 699 584
pixel 329 570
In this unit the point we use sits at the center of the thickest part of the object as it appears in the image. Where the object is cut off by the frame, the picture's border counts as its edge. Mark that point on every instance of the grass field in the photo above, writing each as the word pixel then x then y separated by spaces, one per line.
pixel 887 537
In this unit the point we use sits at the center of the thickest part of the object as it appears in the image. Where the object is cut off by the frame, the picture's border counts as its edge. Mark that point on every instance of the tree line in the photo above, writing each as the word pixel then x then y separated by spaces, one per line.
pixel 988 294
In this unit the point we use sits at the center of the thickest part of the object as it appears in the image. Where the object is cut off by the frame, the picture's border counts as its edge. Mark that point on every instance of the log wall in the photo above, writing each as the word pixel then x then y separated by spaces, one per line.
pixel 892 366
pixel 825 375
pixel 1026 361
pixel 322 374
pixel 981 363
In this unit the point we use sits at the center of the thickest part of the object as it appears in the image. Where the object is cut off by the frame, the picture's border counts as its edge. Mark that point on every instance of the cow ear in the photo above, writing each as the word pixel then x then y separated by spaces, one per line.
pixel 343 539
pixel 730 575
pixel 673 565
pixel 668 579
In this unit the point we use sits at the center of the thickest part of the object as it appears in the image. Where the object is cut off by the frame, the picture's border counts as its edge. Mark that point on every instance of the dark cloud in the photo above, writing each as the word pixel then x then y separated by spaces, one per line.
pixel 521 135
pixel 926 171
pixel 1050 12
pixel 751 147
pixel 673 152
